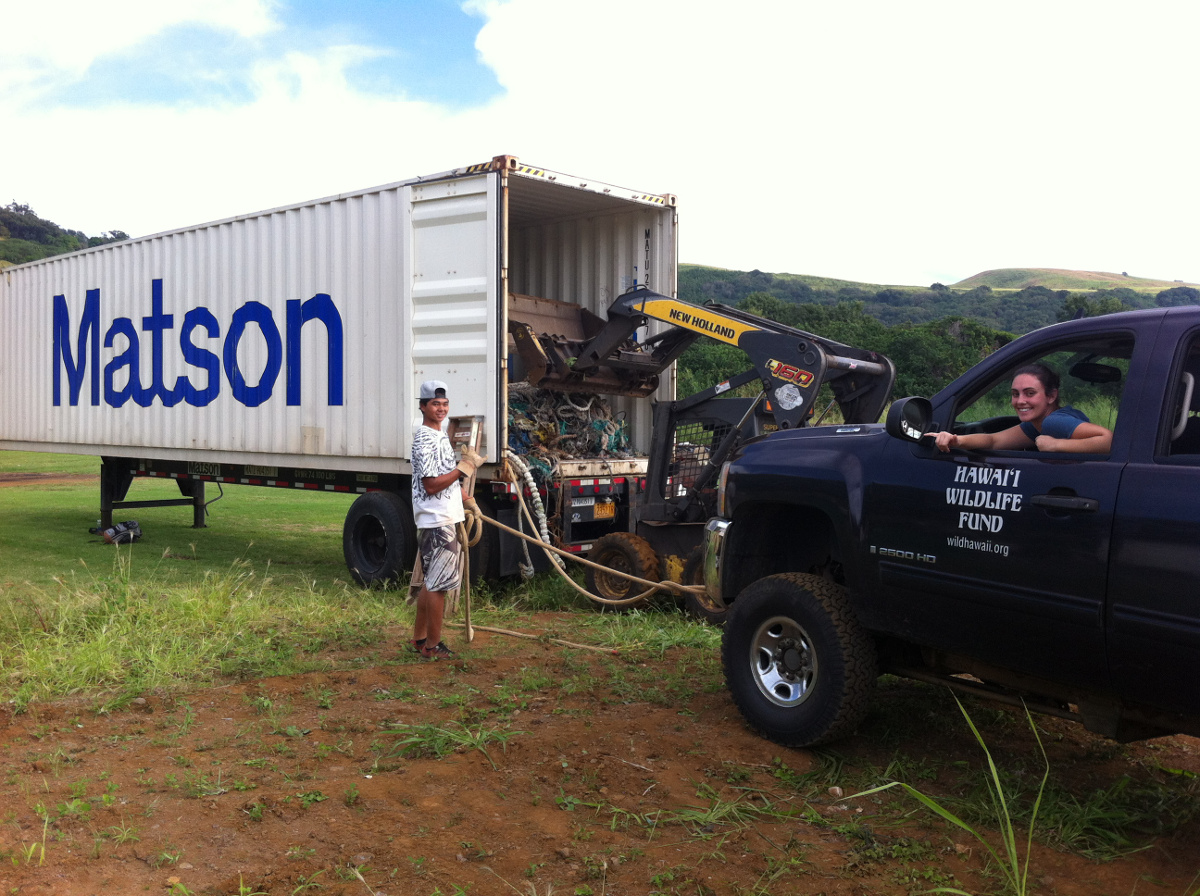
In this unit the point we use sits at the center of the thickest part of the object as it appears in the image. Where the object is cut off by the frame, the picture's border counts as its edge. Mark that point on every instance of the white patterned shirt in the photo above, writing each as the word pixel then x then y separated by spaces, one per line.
pixel 432 455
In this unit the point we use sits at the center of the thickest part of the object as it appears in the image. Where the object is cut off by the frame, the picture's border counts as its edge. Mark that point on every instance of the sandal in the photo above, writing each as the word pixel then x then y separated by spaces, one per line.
pixel 438 652
pixel 417 645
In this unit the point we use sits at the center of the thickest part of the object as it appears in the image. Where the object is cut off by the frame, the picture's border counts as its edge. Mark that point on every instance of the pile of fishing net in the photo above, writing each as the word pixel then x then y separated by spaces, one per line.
pixel 546 427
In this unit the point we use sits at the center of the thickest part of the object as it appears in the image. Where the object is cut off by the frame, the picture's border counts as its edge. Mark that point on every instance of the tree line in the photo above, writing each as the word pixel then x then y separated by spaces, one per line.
pixel 1018 311
pixel 933 336
pixel 25 236
pixel 927 356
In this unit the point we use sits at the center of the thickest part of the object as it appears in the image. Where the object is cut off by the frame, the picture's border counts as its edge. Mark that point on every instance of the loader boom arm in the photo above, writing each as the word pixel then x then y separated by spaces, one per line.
pixel 791 364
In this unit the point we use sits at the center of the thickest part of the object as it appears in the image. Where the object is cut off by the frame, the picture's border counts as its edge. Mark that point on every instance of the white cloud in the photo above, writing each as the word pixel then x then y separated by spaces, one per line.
pixel 50 44
pixel 868 139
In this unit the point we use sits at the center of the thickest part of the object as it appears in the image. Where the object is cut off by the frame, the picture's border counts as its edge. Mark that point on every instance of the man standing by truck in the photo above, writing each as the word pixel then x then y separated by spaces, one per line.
pixel 437 510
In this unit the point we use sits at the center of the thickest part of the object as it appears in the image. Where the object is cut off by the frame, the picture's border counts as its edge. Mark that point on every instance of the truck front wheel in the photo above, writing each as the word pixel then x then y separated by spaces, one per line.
pixel 797 662
pixel 379 538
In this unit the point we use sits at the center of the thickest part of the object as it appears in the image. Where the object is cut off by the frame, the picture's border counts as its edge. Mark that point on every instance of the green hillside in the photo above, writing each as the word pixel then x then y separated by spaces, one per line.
pixel 1010 300
pixel 1054 278
pixel 24 236
pixel 697 273
pixel 998 279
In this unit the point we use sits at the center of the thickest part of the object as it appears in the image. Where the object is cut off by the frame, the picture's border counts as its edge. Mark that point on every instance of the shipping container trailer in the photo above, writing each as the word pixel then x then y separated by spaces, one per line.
pixel 284 348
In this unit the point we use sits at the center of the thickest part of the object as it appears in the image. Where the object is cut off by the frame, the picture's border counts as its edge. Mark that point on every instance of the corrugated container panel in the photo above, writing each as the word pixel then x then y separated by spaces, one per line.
pixel 251 267
pixel 413 270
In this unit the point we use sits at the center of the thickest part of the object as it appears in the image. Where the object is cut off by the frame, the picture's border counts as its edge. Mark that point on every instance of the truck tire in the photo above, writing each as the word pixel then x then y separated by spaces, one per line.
pixel 700 606
pixel 797 662
pixel 623 552
pixel 379 539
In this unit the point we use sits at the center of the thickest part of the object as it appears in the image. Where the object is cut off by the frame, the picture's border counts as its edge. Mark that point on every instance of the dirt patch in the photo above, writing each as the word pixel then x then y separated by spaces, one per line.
pixel 604 774
pixel 11 479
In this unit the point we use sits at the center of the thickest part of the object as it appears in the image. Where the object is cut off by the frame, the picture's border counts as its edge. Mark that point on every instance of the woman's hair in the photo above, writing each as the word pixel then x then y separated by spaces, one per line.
pixel 1047 377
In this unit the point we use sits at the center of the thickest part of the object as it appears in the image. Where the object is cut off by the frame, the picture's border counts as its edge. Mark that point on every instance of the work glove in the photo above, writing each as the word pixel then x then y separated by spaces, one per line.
pixel 472 511
pixel 470 462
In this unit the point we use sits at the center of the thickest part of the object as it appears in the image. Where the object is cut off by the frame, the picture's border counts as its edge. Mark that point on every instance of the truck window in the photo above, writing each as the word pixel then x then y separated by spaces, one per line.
pixel 1183 428
pixel 1093 377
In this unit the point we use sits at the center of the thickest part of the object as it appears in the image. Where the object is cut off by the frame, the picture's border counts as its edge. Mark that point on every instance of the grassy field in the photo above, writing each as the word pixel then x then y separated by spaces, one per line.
pixel 261 591
pixel 293 536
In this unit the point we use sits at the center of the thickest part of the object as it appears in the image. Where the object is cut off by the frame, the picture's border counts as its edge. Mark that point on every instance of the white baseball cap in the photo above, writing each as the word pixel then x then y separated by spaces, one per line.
pixel 432 389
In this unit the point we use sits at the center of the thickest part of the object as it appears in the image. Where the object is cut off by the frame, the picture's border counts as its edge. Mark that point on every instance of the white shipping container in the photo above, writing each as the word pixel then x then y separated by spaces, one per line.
pixel 298 336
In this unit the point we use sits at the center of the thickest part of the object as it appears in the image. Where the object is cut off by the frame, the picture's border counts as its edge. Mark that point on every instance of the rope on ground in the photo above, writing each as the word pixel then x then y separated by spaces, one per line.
pixel 527 636
pixel 560 568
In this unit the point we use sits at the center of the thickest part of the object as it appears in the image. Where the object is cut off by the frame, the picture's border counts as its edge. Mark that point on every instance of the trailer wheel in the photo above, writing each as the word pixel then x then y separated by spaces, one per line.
pixel 485 554
pixel 700 606
pixel 797 662
pixel 622 552
pixel 379 539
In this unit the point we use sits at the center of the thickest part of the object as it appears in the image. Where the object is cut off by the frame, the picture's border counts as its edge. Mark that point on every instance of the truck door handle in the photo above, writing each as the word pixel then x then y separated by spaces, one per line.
pixel 1066 502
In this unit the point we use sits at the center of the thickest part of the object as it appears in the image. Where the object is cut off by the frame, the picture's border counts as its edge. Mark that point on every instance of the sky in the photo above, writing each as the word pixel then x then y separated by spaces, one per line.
pixel 885 141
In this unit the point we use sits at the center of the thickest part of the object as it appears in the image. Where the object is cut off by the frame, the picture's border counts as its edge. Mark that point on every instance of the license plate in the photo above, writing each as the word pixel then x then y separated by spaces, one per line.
pixel 605 511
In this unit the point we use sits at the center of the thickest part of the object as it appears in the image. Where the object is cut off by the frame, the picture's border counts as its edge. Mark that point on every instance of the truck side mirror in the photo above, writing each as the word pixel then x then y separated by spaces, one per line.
pixel 909 418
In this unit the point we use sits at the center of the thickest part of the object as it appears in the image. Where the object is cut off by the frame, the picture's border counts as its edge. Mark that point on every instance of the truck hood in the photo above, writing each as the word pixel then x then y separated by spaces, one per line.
pixel 806 434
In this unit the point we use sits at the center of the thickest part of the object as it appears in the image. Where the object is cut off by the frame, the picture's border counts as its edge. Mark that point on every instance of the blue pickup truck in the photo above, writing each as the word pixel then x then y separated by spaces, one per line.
pixel 1068 581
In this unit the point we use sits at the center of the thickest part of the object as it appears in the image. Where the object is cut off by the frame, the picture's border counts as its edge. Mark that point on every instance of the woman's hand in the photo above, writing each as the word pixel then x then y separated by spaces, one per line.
pixel 945 440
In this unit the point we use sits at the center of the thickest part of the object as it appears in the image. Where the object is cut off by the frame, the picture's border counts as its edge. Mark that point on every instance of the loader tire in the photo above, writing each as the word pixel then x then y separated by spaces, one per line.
pixel 622 552
pixel 379 539
pixel 798 663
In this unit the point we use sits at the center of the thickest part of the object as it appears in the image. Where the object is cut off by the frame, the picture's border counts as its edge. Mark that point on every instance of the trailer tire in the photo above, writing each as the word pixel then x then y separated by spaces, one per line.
pixel 700 607
pixel 623 552
pixel 799 665
pixel 379 538
pixel 485 553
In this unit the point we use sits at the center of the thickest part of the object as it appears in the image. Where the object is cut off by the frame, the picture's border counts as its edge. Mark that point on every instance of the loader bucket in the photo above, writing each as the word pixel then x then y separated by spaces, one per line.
pixel 549 335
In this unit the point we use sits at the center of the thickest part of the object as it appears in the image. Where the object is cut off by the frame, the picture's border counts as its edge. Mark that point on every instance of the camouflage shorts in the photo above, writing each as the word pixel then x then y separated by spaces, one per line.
pixel 439 551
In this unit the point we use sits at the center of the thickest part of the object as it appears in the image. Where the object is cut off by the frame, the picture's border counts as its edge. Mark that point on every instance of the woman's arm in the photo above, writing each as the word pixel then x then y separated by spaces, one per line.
pixel 1088 438
pixel 1007 439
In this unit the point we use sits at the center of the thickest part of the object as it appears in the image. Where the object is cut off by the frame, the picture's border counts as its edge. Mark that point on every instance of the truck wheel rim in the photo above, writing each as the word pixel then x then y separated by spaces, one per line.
pixel 610 586
pixel 783 661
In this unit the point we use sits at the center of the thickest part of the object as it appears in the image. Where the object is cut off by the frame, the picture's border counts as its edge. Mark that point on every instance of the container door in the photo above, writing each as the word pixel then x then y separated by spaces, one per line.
pixel 452 300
